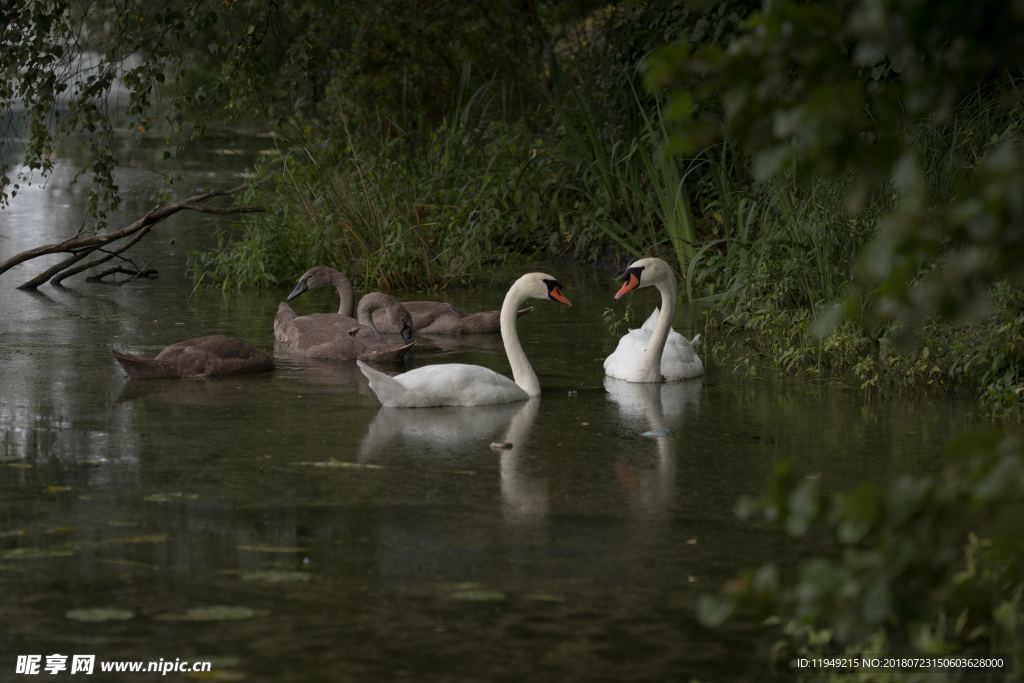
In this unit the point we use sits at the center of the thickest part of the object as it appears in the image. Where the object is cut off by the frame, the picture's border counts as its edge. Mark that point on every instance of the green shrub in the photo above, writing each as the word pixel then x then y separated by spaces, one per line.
pixel 925 566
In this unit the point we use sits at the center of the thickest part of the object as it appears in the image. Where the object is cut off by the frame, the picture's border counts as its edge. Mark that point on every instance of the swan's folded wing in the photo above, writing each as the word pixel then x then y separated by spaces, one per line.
pixel 450 384
pixel 651 322
pixel 679 360
pixel 623 362
pixel 138 367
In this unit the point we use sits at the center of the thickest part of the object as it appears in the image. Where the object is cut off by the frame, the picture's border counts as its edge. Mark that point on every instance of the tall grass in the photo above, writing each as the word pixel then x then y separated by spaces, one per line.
pixel 668 185
pixel 637 190
pixel 428 209
pixel 391 211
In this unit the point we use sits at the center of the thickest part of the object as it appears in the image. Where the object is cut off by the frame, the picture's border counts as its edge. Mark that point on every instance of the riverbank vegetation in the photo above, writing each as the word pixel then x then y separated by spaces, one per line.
pixel 565 156
pixel 840 186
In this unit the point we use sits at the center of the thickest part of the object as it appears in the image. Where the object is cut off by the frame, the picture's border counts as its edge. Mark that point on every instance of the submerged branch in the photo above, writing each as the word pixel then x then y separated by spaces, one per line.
pixel 147 273
pixel 81 246
pixel 61 276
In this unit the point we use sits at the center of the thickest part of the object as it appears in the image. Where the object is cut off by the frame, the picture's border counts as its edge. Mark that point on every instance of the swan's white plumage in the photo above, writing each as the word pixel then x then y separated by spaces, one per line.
pixel 450 384
pixel 458 384
pixel 679 360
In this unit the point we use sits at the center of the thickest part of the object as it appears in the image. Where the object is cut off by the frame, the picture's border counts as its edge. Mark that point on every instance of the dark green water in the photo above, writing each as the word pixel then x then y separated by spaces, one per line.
pixel 360 543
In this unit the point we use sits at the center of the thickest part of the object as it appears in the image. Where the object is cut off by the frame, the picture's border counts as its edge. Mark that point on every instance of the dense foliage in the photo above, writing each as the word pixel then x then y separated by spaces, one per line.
pixel 928 566
pixel 894 128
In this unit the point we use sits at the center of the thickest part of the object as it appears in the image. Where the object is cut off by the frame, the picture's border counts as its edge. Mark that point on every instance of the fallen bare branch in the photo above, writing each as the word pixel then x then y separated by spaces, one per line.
pixel 81 246
pixel 121 270
pixel 61 276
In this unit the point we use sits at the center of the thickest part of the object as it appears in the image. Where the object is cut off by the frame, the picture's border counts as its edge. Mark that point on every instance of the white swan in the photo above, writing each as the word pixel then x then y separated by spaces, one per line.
pixel 655 352
pixel 457 384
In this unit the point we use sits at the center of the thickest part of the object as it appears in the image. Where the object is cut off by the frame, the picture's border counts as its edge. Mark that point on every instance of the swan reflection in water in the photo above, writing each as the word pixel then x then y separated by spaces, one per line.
pixel 320 372
pixel 453 430
pixel 524 498
pixel 658 412
pixel 437 431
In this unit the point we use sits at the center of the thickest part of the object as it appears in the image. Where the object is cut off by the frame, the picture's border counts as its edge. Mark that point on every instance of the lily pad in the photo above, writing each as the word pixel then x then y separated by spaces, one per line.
pixel 342 464
pixel 129 563
pixel 172 497
pixel 276 576
pixel 211 613
pixel 99 614
pixel 135 540
pixel 122 522
pixel 35 553
pixel 478 595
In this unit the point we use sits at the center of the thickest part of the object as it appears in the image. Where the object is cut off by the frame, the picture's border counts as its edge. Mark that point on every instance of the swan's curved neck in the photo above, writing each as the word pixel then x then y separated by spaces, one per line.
pixel 656 346
pixel 522 372
pixel 345 293
pixel 370 303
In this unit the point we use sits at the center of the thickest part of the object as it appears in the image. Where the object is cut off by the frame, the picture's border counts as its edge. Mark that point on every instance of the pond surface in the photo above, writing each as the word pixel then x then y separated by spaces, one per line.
pixel 352 542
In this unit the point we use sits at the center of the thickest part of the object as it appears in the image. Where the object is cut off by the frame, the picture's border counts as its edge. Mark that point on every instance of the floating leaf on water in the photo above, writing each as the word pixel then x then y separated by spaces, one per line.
pixel 129 563
pixel 57 489
pixel 171 497
pixel 478 595
pixel 257 548
pixel 342 464
pixel 99 614
pixel 465 585
pixel 136 540
pixel 464 473
pixel 276 576
pixel 35 553
pixel 211 613
pixel 224 661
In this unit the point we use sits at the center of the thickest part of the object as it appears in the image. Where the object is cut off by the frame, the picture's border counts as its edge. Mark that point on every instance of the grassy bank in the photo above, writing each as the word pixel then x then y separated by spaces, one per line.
pixel 791 252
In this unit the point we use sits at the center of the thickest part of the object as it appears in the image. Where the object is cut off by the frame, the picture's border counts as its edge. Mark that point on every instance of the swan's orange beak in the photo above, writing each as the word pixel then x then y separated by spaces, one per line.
pixel 628 286
pixel 556 295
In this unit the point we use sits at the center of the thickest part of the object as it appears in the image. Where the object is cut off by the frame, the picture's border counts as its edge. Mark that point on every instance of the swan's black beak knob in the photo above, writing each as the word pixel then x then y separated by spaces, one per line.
pixel 406 331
